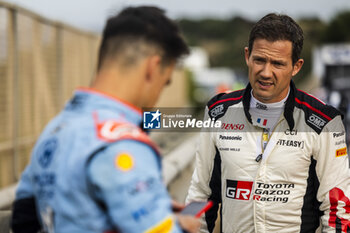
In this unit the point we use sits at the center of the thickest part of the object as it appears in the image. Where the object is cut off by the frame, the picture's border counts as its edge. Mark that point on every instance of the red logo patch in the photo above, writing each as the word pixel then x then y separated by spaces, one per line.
pixel 337 195
pixel 240 190
pixel 111 130
pixel 232 126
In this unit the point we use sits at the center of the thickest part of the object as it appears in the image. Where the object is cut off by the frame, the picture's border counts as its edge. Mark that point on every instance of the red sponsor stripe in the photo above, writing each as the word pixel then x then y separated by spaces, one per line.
pixel 337 195
pixel 312 97
pixel 313 109
pixel 229 99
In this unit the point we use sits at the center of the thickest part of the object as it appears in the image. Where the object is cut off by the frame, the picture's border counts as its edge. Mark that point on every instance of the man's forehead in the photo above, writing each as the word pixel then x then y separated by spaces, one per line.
pixel 280 49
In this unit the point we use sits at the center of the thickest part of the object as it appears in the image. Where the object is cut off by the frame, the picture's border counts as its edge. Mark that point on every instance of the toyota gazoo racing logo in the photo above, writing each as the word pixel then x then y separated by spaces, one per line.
pixel 316 121
pixel 273 192
pixel 239 190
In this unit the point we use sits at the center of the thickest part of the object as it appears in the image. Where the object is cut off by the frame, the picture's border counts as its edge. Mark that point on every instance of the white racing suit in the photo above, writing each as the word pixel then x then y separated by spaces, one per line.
pixel 302 177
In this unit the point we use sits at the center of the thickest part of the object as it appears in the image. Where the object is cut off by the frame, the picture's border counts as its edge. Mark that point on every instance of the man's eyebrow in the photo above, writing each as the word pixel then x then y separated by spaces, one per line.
pixel 278 61
pixel 259 57
pixel 272 60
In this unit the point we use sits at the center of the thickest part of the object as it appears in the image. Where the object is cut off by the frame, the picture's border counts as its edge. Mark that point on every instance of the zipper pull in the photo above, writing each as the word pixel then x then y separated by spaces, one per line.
pixel 258 158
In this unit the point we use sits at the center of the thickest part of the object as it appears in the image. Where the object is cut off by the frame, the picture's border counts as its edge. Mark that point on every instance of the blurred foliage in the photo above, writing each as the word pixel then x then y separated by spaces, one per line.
pixel 191 87
pixel 224 40
pixel 338 29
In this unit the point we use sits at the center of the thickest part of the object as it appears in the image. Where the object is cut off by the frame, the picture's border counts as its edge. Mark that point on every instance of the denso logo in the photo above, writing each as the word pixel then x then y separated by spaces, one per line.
pixel 240 190
pixel 228 126
pixel 316 121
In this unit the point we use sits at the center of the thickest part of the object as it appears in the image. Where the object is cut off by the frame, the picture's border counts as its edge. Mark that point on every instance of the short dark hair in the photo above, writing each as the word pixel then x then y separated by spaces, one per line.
pixel 273 27
pixel 145 23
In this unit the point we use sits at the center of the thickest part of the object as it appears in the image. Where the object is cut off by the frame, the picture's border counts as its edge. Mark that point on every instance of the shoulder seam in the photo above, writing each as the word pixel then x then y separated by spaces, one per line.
pixel 225 100
pixel 313 109
pixel 225 97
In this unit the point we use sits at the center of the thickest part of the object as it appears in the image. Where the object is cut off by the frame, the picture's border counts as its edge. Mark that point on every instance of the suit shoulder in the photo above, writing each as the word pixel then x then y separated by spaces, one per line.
pixel 218 104
pixel 317 113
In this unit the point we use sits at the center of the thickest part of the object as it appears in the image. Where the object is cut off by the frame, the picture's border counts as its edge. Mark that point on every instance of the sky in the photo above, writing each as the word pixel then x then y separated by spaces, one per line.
pixel 91 14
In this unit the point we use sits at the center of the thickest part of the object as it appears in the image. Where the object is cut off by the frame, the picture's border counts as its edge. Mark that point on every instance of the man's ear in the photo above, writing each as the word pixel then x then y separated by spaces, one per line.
pixel 297 66
pixel 153 65
pixel 246 54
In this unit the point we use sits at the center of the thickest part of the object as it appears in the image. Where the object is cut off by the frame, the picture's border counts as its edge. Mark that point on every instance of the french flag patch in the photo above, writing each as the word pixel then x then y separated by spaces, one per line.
pixel 262 121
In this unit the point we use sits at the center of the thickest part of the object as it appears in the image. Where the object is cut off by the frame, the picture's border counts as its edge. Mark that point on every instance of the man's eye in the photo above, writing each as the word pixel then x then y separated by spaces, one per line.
pixel 259 60
pixel 278 64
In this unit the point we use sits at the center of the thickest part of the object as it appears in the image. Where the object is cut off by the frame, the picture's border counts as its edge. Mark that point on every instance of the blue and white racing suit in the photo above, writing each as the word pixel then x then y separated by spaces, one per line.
pixel 94 170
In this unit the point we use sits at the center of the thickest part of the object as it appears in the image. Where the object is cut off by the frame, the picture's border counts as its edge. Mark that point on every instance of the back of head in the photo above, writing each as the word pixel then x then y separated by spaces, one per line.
pixel 273 27
pixel 138 31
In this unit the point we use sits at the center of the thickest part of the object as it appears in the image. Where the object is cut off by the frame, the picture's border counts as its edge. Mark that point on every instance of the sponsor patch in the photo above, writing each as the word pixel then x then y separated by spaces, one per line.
pixel 46 152
pixel 339 210
pixel 239 190
pixel 272 192
pixel 217 110
pixel 261 106
pixel 141 186
pixel 341 152
pixel 229 149
pixel 111 130
pixel 228 126
pixel 144 211
pixel 291 132
pixel 341 142
pixel 290 143
pixel 335 135
pixel 164 226
pixel 124 162
pixel 316 121
pixel 233 137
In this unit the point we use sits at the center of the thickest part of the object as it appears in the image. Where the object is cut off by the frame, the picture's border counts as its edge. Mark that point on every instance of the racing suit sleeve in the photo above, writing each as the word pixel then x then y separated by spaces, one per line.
pixel 332 169
pixel 24 215
pixel 206 179
pixel 126 179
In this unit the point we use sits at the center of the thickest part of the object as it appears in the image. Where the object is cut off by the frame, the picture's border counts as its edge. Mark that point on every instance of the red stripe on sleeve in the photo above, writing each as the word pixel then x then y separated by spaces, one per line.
pixel 220 101
pixel 313 109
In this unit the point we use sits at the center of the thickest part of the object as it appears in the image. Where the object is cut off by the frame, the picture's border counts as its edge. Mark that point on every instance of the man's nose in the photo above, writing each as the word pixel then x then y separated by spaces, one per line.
pixel 266 71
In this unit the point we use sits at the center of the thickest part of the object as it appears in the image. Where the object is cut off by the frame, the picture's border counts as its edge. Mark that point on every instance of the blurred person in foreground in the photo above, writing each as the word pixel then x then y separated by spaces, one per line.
pixel 93 169
pixel 279 162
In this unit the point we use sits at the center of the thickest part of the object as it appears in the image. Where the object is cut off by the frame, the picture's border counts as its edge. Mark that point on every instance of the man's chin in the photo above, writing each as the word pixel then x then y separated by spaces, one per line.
pixel 262 96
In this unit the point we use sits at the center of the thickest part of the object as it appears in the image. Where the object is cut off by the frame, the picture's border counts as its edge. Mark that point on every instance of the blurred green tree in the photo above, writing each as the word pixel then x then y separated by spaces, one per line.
pixel 225 39
pixel 338 30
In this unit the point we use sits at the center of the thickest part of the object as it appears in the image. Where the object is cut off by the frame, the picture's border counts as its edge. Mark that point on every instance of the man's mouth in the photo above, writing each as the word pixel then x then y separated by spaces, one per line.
pixel 265 83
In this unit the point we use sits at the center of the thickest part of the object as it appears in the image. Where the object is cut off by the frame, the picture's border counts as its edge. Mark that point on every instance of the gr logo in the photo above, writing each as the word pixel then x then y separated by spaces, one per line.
pixel 240 190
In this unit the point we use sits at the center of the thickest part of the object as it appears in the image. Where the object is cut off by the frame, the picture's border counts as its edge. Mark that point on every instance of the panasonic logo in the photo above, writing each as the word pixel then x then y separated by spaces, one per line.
pixel 222 137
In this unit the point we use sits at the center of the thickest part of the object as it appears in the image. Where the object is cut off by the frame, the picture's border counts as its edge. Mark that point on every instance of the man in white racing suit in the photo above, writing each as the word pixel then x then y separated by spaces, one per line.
pixel 279 163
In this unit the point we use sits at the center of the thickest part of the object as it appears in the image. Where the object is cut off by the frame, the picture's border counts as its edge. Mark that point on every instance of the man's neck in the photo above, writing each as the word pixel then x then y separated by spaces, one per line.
pixel 261 100
pixel 124 88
